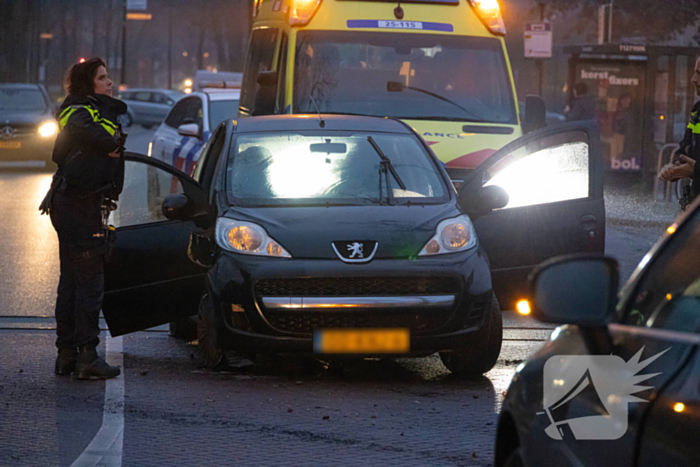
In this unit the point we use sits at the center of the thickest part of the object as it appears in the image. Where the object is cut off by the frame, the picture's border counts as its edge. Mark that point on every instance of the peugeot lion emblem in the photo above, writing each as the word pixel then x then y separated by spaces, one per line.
pixel 355 251
pixel 7 132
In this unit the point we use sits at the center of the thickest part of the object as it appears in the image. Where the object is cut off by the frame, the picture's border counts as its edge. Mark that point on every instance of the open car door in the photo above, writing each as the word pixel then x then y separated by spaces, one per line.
pixel 149 279
pixel 554 181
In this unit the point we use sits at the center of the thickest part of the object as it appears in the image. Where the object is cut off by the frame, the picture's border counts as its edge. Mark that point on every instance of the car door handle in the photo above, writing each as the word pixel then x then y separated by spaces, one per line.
pixel 588 222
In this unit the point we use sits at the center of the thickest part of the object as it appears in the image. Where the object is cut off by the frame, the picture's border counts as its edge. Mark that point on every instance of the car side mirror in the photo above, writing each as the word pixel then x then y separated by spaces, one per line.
pixel 267 78
pixel 177 207
pixel 579 290
pixel 535 114
pixel 188 129
pixel 492 197
pixel 483 201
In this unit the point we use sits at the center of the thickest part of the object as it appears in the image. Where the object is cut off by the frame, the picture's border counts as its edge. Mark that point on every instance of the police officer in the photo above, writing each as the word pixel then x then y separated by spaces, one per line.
pixel 689 153
pixel 89 155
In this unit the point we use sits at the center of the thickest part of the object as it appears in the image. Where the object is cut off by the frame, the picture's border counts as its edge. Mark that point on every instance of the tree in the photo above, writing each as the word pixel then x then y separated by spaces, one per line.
pixel 654 20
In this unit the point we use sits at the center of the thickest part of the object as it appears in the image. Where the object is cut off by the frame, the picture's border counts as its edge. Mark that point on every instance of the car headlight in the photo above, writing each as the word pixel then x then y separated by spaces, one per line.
pixel 48 129
pixel 451 236
pixel 247 238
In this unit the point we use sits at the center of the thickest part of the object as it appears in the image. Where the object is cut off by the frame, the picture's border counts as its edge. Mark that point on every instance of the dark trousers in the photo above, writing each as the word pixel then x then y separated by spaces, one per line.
pixel 80 293
pixel 82 247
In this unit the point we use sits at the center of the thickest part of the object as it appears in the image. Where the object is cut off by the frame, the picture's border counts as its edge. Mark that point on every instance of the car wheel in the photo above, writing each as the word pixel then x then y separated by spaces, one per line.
pixel 185 329
pixel 126 120
pixel 209 334
pixel 472 362
pixel 514 460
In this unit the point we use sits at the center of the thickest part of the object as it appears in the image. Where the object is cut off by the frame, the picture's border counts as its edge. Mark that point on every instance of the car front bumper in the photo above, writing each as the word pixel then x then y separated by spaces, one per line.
pixel 441 300
pixel 26 148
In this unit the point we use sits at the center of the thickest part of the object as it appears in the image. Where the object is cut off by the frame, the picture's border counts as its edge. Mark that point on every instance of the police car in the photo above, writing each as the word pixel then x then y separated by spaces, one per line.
pixel 180 138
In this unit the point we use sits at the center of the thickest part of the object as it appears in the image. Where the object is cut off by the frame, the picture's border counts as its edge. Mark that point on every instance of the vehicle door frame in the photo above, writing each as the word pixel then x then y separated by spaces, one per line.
pixel 469 194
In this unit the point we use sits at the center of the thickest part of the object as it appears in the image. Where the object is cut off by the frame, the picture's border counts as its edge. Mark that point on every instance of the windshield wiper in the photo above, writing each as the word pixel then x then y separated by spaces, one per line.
pixel 386 167
pixel 395 86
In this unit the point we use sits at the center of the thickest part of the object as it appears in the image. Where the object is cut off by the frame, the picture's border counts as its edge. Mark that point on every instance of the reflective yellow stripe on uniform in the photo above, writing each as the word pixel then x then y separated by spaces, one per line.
pixel 106 124
pixel 65 115
pixel 694 127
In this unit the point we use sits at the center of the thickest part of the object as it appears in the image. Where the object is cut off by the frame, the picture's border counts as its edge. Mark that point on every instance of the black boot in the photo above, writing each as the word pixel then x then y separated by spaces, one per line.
pixel 65 363
pixel 90 366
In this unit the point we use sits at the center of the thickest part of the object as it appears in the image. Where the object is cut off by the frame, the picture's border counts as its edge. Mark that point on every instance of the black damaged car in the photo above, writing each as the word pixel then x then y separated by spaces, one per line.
pixel 344 235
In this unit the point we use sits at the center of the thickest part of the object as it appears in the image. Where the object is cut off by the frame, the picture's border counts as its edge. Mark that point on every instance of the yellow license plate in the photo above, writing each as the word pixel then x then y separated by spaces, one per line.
pixel 10 144
pixel 362 341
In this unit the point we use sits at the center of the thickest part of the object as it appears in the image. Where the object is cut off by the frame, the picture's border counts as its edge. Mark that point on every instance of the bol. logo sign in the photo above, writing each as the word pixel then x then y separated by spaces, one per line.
pixel 625 164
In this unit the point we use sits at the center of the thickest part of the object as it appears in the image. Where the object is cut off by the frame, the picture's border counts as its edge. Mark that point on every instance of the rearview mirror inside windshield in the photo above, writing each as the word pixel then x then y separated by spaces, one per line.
pixel 329 148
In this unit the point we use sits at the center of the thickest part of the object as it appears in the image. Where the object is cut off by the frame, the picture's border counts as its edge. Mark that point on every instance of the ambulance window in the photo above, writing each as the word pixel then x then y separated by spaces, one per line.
pixel 404 75
pixel 261 54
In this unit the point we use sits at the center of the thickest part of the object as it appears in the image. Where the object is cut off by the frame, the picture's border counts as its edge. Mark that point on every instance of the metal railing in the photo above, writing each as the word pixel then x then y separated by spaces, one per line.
pixel 667 186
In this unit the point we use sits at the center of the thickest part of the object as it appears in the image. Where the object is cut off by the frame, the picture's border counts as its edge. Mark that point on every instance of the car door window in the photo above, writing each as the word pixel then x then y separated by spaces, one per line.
pixel 550 170
pixel 142 96
pixel 261 54
pixel 668 295
pixel 188 110
pixel 158 98
pixel 145 189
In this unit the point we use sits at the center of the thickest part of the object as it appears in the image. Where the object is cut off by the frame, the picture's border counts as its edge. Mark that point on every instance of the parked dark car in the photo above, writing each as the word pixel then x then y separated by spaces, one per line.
pixel 631 394
pixel 27 125
pixel 345 235
pixel 147 107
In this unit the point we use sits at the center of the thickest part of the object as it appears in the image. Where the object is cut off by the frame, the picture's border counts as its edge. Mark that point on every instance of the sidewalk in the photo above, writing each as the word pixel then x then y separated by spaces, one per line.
pixel 634 205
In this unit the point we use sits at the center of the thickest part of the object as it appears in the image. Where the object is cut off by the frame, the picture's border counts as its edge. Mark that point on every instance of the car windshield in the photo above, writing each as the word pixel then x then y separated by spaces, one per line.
pixel 323 168
pixel 21 99
pixel 411 76
pixel 222 110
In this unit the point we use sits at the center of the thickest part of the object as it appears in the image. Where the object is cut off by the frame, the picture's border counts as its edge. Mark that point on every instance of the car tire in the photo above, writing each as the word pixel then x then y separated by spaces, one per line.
pixel 515 459
pixel 126 120
pixel 209 334
pixel 185 329
pixel 482 354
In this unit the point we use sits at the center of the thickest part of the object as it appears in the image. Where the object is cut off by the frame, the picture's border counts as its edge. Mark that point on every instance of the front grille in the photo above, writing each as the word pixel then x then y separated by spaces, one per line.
pixel 357 286
pixel 305 323
pixel 22 129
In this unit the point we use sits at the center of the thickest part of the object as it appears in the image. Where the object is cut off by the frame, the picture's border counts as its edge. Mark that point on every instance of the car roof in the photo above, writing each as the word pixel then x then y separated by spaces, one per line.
pixel 222 94
pixel 301 122
pixel 20 86
pixel 166 91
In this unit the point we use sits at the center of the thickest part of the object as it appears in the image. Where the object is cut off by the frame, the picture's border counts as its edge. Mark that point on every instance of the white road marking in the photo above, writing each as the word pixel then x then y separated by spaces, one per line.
pixel 105 449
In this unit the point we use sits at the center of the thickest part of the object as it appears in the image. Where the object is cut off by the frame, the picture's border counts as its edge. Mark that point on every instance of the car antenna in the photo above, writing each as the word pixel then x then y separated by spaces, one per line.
pixel 321 123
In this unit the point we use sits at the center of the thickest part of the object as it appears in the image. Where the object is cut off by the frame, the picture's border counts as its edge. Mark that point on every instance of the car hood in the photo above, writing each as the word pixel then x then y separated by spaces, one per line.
pixel 307 232
pixel 23 117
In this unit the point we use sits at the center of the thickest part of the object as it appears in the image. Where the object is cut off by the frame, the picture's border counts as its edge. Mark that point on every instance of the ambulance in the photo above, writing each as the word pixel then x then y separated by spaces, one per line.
pixel 440 66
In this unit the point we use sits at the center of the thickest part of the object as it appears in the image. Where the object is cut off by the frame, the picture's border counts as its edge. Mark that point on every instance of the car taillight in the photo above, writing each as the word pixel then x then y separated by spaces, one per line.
pixel 302 11
pixel 489 11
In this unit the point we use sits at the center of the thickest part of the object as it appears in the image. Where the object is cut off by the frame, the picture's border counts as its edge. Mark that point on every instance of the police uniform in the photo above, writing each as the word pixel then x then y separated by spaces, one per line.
pixel 690 146
pixel 86 181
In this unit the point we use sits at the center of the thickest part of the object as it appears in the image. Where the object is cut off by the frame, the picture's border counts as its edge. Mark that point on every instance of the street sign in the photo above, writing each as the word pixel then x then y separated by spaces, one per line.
pixel 538 40
pixel 139 16
pixel 137 4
